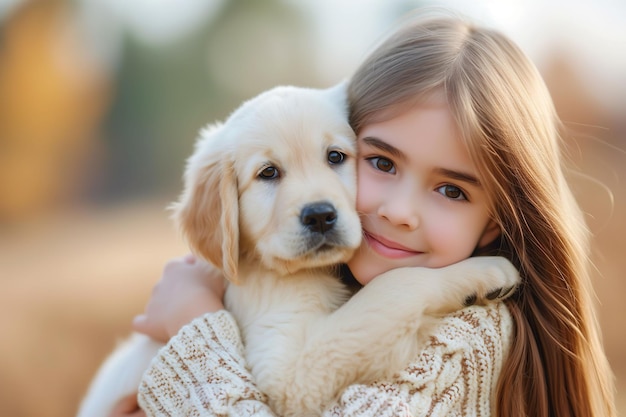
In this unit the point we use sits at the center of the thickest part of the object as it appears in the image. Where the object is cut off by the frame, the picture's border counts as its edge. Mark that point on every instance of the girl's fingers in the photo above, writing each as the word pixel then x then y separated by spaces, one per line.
pixel 190 259
pixel 128 407
pixel 142 324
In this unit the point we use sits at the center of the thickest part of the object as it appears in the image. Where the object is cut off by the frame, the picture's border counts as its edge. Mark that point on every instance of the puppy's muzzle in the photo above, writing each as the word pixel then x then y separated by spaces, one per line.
pixel 319 217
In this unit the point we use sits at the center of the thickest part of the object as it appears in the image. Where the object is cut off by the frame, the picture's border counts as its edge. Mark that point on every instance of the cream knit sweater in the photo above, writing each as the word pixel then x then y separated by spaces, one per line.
pixel 202 372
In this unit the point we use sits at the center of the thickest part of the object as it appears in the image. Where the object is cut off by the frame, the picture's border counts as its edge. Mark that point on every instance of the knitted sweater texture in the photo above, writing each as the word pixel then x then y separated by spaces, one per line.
pixel 202 372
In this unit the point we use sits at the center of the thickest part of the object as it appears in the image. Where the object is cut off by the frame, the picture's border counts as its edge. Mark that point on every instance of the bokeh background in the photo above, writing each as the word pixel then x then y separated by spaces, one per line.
pixel 101 100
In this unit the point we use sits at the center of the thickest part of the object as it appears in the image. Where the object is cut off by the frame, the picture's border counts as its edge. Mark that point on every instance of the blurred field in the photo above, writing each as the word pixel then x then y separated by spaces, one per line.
pixel 70 286
pixel 95 123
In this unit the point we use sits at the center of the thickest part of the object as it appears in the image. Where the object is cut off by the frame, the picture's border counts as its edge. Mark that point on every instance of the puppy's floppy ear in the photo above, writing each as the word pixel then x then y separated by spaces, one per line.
pixel 208 212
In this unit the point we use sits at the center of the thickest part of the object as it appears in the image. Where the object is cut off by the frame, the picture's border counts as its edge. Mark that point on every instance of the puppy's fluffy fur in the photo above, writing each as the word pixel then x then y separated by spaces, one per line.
pixel 269 198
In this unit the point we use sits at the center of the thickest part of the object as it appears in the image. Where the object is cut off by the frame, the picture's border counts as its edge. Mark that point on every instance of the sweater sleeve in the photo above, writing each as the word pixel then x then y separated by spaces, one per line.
pixel 456 374
pixel 201 372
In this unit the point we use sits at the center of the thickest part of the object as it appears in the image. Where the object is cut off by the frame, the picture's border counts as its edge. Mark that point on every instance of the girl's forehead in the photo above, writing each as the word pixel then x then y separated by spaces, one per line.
pixel 424 99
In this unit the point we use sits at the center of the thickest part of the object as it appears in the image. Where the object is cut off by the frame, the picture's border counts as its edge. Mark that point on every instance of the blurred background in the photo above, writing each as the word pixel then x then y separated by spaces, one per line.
pixel 100 103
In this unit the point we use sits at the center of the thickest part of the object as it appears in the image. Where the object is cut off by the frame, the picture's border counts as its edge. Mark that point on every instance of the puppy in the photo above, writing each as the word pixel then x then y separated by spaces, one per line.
pixel 269 199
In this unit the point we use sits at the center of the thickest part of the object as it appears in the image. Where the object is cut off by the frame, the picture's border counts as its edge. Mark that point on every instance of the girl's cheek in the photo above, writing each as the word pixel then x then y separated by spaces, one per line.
pixel 365 191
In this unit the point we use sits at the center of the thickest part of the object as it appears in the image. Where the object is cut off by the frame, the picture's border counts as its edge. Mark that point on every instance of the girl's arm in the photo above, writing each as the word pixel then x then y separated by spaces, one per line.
pixel 202 372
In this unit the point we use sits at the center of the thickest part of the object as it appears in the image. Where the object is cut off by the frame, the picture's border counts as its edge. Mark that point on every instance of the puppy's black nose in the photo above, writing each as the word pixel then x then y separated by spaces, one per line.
pixel 318 217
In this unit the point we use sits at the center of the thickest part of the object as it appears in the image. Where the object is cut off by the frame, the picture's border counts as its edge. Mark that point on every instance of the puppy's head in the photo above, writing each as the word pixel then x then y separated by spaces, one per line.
pixel 275 184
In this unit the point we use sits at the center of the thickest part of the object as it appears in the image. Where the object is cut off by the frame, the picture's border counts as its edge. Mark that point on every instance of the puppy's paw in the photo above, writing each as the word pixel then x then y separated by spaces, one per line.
pixel 494 279
pixel 497 294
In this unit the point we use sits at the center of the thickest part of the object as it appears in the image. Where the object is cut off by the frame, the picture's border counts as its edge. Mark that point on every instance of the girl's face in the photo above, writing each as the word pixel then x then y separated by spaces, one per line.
pixel 419 197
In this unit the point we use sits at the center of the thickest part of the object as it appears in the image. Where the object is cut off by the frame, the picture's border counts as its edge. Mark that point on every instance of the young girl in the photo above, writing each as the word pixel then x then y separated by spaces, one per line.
pixel 458 156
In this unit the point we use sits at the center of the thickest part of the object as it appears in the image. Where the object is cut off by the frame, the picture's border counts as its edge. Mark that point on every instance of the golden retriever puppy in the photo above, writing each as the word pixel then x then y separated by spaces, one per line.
pixel 269 199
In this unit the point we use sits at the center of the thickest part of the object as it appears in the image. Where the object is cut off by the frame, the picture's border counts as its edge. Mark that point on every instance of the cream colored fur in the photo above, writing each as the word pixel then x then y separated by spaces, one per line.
pixel 304 340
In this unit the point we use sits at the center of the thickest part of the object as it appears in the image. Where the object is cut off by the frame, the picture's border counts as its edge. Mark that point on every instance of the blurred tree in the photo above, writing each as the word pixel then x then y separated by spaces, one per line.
pixel 167 93
pixel 52 100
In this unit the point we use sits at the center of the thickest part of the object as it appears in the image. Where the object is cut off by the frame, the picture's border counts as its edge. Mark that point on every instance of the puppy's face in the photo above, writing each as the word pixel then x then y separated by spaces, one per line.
pixel 290 157
pixel 296 172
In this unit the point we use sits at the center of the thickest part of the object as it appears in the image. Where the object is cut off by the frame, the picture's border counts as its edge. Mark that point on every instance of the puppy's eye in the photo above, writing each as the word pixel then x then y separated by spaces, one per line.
pixel 336 157
pixel 269 173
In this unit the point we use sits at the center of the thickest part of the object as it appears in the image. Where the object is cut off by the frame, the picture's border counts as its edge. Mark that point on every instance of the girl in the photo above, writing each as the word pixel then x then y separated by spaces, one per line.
pixel 458 156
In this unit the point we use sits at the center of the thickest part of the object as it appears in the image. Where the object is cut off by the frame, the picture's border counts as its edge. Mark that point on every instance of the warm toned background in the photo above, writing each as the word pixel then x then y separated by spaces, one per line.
pixel 100 101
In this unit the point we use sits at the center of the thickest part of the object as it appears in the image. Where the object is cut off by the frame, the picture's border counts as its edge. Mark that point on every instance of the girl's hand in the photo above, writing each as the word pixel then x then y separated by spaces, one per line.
pixel 127 407
pixel 189 288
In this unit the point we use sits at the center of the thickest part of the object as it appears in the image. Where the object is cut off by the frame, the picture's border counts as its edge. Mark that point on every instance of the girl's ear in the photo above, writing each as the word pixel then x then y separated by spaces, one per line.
pixel 208 212
pixel 492 232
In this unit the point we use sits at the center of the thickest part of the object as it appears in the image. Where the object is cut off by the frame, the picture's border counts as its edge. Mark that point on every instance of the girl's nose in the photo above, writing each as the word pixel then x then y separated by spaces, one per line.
pixel 401 210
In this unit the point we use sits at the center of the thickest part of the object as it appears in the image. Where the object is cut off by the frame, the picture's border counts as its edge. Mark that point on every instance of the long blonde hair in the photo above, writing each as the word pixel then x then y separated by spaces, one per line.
pixel 556 365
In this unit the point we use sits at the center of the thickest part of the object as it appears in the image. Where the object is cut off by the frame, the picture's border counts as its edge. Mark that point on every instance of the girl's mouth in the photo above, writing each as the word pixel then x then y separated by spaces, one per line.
pixel 387 248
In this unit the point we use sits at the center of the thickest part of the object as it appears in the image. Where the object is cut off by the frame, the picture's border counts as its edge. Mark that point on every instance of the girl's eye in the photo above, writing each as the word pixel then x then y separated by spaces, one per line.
pixel 382 164
pixel 269 173
pixel 452 192
pixel 336 157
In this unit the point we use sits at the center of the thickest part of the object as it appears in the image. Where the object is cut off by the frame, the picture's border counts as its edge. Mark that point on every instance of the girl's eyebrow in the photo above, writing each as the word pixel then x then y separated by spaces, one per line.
pixel 385 147
pixel 461 176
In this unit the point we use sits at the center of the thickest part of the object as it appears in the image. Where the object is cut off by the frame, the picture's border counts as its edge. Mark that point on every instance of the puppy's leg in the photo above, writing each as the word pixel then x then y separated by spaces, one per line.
pixel 119 375
pixel 477 280
pixel 377 331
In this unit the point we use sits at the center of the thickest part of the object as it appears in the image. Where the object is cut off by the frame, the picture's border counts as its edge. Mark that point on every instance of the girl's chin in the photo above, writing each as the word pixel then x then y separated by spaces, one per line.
pixel 364 279
pixel 364 271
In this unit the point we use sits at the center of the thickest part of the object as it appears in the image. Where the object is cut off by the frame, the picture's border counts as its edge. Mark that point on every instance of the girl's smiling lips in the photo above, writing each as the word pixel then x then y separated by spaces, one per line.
pixel 388 248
